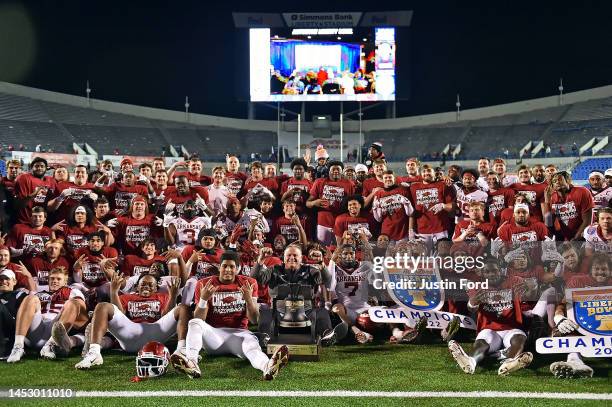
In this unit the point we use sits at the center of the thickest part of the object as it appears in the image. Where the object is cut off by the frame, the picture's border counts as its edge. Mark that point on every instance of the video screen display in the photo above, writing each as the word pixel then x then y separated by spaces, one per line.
pixel 324 64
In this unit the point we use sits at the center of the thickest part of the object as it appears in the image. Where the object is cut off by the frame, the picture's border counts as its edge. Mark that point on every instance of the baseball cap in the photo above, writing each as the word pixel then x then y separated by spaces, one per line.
pixel 8 273
pixel 608 172
pixel 361 167
pixel 521 206
pixel 126 161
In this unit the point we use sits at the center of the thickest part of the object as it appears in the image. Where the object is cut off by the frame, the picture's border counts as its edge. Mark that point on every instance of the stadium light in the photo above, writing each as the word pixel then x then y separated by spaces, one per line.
pixel 560 91
pixel 458 104
pixel 88 91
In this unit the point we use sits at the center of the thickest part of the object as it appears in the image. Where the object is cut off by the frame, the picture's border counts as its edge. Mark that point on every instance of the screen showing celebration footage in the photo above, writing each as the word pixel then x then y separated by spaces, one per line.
pixel 325 64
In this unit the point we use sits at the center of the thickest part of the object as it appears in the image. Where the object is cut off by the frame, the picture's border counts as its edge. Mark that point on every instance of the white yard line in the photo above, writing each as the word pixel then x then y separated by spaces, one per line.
pixel 347 393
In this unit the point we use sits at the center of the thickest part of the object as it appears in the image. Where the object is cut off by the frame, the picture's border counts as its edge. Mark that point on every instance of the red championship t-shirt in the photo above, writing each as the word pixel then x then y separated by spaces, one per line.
pixel 207 266
pixel 144 309
pixel 533 231
pixel 25 185
pixel 23 236
pixel 424 196
pixel 535 193
pixel 40 266
pixel 235 181
pixel 132 232
pixel 134 265
pixel 334 192
pixel 498 201
pixel 501 308
pixel 393 207
pixel 92 274
pixel 226 307
pixel 567 212
pixel 346 222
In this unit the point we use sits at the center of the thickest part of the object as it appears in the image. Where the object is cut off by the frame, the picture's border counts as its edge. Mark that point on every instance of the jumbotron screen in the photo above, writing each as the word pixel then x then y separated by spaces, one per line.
pixel 325 64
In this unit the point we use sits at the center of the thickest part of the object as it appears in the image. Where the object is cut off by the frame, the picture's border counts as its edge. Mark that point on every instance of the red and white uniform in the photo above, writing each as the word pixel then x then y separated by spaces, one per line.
pixel 25 185
pixel 40 266
pixel 142 321
pixel 187 230
pixel 235 181
pixel 302 185
pixel 120 196
pixel 130 232
pixel 424 196
pixel 134 265
pixel 207 265
pixel 535 193
pixel 392 207
pixel 226 307
pixel 75 237
pixel 351 288
pixel 568 211
pixel 464 198
pixel 601 199
pixel 92 274
pixel 346 222
pixel 23 237
pixel 51 304
pixel 533 231
pixel 172 194
pixel 498 201
pixel 334 192
pixel 595 240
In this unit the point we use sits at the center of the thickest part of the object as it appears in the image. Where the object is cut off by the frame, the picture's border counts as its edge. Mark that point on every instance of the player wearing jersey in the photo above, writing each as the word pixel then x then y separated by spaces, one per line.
pixel 353 220
pixel 433 200
pixel 27 240
pixel 225 305
pixel 499 166
pixel 533 191
pixel 44 319
pixel 135 319
pixel 51 258
pixel 350 282
pixel 183 230
pixel 468 193
pixel 598 236
pixel 392 207
pixel 602 193
pixel 571 207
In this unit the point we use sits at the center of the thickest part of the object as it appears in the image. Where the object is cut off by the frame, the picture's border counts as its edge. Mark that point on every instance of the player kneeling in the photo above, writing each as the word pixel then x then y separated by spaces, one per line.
pixel 135 319
pixel 499 324
pixel 225 305
pixel 44 319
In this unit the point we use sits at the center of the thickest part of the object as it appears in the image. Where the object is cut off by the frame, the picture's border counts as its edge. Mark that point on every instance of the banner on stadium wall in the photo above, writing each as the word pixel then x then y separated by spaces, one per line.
pixel 137 159
pixel 24 156
pixel 87 159
pixel 350 143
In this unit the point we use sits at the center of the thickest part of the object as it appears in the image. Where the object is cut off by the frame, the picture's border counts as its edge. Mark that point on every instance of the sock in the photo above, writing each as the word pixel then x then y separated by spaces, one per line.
pixel 194 339
pixel 77 340
pixel 19 341
pixel 95 348
pixel 180 346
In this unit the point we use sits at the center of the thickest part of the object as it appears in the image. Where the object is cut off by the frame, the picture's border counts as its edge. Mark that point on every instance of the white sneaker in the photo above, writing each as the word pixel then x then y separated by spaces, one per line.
pixel 16 354
pixel 182 364
pixel 513 364
pixel 90 359
pixel 570 370
pixel 465 362
pixel 48 351
pixel 279 358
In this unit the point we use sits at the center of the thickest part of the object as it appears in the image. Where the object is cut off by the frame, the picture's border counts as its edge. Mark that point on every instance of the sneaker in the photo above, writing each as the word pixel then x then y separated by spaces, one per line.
pixel 514 364
pixel 570 370
pixel 90 359
pixel 332 336
pixel 48 351
pixel 87 334
pixel 451 329
pixel 16 354
pixel 412 335
pixel 464 361
pixel 182 364
pixel 279 358
pixel 61 338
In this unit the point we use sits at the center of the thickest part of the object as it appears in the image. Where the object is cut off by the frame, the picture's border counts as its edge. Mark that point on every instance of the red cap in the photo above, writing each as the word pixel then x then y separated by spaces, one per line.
pixel 126 160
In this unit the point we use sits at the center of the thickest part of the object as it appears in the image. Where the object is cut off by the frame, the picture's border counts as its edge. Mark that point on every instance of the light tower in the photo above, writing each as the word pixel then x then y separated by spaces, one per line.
pixel 458 104
pixel 560 91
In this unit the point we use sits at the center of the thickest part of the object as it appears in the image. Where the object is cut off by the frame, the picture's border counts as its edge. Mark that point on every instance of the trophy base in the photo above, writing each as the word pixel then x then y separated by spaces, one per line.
pixel 300 347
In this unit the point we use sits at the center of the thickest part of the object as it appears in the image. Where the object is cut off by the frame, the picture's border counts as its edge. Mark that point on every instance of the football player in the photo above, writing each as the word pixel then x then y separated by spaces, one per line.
pixel 599 235
pixel 182 230
pixel 392 207
pixel 225 305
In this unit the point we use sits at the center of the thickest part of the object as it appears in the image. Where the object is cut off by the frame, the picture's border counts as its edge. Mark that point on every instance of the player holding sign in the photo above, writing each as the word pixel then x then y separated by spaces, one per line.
pixel 392 207
pixel 225 305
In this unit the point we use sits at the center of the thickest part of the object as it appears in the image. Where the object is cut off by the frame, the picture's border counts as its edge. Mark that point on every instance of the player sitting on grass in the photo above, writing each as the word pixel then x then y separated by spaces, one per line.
pixel 44 319
pixel 225 306
pixel 500 324
pixel 601 275
pixel 350 281
pixel 135 319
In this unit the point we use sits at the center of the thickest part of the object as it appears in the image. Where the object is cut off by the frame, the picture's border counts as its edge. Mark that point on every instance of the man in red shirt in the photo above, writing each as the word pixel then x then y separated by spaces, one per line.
pixel 523 229
pixel 71 194
pixel 257 185
pixel 176 196
pixel 327 194
pixel 392 207
pixel 26 240
pixel 235 178
pixel 433 200
pixel 290 226
pixel 535 192
pixel 121 193
pixel 413 166
pixel 499 324
pixel 133 229
pixel 194 173
pixel 297 187
pixel 135 319
pixel 571 207
pixel 44 319
pixel 225 305
pixel 135 265
pixel 500 198
pixel 33 189
pixel 352 220
pixel 50 259
pixel 372 185
pixel 13 169
pixel 475 229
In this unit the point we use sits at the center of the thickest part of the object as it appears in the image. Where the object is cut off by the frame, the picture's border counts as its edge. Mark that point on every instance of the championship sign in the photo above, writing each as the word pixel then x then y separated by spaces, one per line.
pixel 435 319
pixel 418 288
pixel 591 309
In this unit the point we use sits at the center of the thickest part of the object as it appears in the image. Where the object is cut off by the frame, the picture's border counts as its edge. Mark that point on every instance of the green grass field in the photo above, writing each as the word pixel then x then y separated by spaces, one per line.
pixel 376 367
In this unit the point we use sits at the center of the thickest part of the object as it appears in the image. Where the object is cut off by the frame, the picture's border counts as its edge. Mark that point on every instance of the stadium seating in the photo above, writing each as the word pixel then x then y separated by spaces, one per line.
pixel 582 170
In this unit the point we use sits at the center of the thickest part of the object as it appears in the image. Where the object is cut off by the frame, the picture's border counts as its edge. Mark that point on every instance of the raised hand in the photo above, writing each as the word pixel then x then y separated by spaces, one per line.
pixel 207 291
pixel 247 291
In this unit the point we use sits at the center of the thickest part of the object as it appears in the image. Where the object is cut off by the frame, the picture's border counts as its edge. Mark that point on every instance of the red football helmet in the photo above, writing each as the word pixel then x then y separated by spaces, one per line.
pixel 152 360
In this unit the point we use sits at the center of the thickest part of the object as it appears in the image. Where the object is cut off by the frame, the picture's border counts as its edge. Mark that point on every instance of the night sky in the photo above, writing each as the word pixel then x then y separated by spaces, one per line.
pixel 153 53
